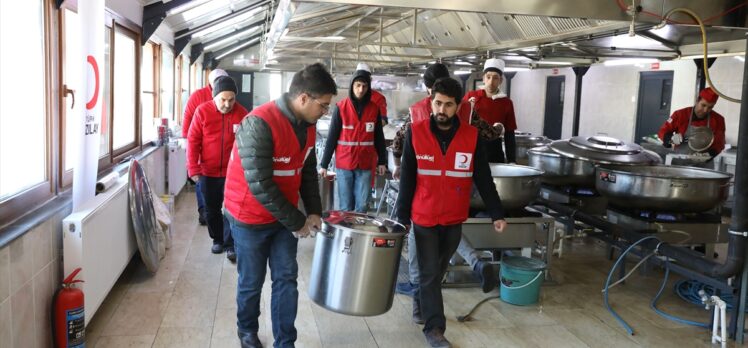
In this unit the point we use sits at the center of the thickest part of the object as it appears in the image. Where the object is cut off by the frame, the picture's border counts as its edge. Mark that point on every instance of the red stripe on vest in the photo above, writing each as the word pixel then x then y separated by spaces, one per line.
pixel 288 159
pixel 444 182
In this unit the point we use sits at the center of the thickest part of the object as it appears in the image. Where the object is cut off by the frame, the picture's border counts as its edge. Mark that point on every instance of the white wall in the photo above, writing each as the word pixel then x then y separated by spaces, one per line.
pixel 610 93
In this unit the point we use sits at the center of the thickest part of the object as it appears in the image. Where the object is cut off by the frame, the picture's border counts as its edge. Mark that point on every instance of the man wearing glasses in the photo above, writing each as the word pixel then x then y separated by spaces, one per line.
pixel 357 139
pixel 269 170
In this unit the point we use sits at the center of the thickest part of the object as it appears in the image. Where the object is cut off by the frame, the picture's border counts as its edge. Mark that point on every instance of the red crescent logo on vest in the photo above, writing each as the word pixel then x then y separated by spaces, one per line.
pixel 92 103
pixel 464 159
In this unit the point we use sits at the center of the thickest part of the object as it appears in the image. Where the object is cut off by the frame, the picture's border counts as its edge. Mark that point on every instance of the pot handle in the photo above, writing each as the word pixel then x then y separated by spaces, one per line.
pixel 729 183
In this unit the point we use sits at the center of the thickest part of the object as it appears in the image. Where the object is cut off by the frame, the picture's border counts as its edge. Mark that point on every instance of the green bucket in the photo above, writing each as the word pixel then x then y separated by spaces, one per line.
pixel 521 278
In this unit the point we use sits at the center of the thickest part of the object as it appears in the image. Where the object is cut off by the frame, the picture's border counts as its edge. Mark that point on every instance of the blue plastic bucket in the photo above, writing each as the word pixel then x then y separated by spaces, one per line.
pixel 520 279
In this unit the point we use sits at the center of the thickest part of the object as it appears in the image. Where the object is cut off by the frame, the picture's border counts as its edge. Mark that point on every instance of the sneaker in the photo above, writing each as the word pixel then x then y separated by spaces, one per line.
pixel 436 339
pixel 250 340
pixel 231 254
pixel 217 248
pixel 406 288
pixel 488 278
pixel 417 318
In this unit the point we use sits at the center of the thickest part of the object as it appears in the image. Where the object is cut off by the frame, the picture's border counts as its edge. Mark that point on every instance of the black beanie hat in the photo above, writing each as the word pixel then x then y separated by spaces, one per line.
pixel 433 73
pixel 222 84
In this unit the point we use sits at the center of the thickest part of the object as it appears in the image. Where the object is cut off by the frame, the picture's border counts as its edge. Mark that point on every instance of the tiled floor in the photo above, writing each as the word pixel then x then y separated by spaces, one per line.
pixel 190 302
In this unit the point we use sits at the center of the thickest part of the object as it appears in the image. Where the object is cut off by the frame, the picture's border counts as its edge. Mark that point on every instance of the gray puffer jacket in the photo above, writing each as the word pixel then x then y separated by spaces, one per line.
pixel 254 141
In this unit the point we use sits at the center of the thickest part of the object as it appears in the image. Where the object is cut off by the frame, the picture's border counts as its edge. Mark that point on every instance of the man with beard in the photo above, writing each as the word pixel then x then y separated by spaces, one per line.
pixel 209 142
pixel 442 158
pixel 681 124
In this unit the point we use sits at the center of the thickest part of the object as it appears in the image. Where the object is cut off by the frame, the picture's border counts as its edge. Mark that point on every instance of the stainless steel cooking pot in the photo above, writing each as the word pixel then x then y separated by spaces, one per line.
pixel 561 170
pixel 356 259
pixel 663 188
pixel 517 186
pixel 525 142
pixel 585 152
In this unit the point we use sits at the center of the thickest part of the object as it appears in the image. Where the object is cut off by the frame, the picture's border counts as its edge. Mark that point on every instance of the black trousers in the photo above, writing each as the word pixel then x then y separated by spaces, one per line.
pixel 434 246
pixel 495 151
pixel 218 227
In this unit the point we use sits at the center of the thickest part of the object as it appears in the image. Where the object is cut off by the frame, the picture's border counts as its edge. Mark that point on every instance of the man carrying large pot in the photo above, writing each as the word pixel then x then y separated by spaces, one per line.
pixel 269 170
pixel 442 158
pixel 495 108
pixel 421 110
pixel 696 129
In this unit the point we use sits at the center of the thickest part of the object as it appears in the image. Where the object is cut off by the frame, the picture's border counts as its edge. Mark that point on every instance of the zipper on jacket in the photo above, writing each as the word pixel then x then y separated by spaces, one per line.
pixel 223 132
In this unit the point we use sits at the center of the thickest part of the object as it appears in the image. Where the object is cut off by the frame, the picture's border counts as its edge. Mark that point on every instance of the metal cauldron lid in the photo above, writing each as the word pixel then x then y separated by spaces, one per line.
pixel 604 143
pixel 361 222
pixel 144 221
pixel 603 149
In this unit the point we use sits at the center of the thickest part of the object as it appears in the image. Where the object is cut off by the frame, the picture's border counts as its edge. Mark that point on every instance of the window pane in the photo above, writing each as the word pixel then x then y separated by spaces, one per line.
pixel 124 94
pixel 22 95
pixel 185 92
pixel 147 100
pixel 106 117
pixel 167 83
pixel 72 81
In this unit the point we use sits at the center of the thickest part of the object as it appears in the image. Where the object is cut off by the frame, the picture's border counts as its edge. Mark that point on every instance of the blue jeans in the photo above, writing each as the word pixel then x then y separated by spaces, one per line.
pixel 200 199
pixel 354 189
pixel 254 248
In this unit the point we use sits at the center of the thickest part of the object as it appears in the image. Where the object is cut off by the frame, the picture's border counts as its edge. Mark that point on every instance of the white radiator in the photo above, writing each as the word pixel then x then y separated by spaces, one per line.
pixel 100 240
pixel 177 165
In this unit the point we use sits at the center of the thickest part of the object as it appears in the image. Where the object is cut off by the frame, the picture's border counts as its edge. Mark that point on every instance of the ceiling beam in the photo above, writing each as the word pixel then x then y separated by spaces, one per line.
pixel 363 53
pixel 154 14
pixel 591 9
pixel 190 31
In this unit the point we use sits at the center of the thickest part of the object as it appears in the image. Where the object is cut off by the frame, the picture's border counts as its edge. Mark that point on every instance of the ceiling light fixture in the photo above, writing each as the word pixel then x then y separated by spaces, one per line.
pixel 630 61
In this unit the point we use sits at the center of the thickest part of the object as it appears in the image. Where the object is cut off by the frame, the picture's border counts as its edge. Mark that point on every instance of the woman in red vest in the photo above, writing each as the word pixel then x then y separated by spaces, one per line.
pixel 442 158
pixel 272 166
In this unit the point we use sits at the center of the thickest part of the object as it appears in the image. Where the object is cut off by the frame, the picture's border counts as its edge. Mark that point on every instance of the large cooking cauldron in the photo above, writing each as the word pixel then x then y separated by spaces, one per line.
pixel 579 155
pixel 663 188
pixel 356 258
pixel 517 186
pixel 525 142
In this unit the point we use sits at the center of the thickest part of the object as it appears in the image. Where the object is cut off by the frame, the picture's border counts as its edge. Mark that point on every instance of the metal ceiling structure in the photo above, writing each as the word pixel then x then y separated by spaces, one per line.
pixel 400 36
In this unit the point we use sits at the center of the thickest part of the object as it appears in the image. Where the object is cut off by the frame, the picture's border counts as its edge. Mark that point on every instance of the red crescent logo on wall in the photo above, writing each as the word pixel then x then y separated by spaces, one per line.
pixel 92 103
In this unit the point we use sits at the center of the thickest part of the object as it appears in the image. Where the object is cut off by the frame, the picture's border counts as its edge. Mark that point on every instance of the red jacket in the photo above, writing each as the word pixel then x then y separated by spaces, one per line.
pixel 198 97
pixel 288 160
pixel 492 110
pixel 421 110
pixel 210 139
pixel 443 182
pixel 678 123
pixel 355 148
pixel 381 102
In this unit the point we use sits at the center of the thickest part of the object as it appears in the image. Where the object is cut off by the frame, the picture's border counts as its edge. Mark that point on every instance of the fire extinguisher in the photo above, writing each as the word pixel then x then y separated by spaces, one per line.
pixel 68 320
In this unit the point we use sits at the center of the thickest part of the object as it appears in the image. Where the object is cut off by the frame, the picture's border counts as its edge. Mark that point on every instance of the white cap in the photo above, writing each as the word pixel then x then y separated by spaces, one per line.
pixel 216 74
pixel 363 66
pixel 494 63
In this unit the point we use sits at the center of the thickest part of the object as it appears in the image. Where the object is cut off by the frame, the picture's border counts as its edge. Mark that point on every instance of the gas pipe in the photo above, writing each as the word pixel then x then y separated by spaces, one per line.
pixel 68 321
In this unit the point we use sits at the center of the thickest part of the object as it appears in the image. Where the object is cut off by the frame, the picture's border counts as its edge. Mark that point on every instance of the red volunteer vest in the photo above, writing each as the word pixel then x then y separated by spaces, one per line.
pixel 288 159
pixel 444 182
pixel 355 148
pixel 421 110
